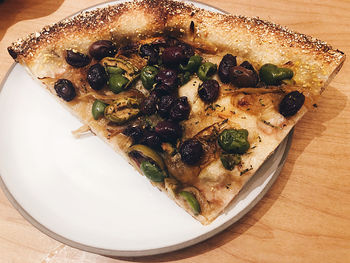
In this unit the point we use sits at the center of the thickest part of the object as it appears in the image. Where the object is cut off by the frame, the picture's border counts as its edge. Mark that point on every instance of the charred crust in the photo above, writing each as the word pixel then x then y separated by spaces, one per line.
pixel 12 53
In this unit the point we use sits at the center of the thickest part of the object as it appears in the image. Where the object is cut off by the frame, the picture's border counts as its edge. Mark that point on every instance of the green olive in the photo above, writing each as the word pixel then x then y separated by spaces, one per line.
pixel 125 65
pixel 115 70
pixel 148 75
pixel 234 141
pixel 117 83
pixel 98 109
pixel 150 162
pixel 192 201
pixel 140 153
pixel 273 75
pixel 193 64
pixel 229 161
pixel 122 110
pixel 184 77
pixel 152 171
pixel 206 70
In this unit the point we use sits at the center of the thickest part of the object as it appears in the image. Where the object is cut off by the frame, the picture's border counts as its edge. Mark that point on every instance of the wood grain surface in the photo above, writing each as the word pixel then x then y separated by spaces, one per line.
pixel 305 217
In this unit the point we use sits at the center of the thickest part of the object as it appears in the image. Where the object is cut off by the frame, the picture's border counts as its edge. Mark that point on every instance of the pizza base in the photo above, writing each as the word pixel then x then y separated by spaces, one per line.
pixel 314 62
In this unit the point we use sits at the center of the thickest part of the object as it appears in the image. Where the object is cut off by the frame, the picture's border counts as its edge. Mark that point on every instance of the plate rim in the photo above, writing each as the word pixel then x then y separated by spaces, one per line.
pixel 154 251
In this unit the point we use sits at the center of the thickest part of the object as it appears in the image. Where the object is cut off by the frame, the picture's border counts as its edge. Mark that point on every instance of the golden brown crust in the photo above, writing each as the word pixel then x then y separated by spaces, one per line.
pixel 162 11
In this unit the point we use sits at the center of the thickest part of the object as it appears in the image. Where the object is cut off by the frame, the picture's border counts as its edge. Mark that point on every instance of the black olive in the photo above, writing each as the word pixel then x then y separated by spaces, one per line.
pixel 191 151
pixel 151 139
pixel 208 91
pixel 134 132
pixel 65 89
pixel 76 59
pixel 243 77
pixel 180 110
pixel 225 67
pixel 97 76
pixel 173 56
pixel 150 52
pixel 102 48
pixel 149 105
pixel 168 131
pixel 187 49
pixel 164 105
pixel 247 65
pixel 171 41
pixel 291 103
pixel 167 77
pixel 128 49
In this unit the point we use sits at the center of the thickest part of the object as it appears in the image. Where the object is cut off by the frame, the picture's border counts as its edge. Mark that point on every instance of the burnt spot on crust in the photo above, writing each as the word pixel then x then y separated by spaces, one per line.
pixel 12 53
pixel 162 11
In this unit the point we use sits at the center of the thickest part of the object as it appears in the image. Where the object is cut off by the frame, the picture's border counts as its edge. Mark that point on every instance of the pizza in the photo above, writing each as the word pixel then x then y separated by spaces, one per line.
pixel 195 100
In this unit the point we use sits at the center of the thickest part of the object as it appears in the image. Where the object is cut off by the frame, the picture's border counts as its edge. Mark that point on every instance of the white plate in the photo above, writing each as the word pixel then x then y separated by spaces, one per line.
pixel 82 193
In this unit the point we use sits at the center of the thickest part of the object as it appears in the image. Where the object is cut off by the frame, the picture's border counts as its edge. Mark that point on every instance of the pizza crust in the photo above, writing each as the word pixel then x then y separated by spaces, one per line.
pixel 314 62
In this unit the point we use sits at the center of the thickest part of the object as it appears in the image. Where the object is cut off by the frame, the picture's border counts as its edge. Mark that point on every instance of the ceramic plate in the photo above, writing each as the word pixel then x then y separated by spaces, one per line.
pixel 80 192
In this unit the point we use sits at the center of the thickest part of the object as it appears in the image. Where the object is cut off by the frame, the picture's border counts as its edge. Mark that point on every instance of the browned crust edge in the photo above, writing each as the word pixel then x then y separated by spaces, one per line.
pixel 163 10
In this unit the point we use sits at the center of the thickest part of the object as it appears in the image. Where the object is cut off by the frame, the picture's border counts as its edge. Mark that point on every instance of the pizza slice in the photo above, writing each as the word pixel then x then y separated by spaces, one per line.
pixel 195 100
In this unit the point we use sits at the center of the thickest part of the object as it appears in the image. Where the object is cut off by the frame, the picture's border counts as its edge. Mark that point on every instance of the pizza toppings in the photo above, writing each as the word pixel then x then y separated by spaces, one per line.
pixel 101 49
pixel 98 109
pixel 180 109
pixel 173 56
pixel 168 131
pixel 166 80
pixel 225 67
pixel 150 162
pixel 206 70
pixel 122 110
pixel 152 171
pixel 134 132
pixel 76 59
pixel 191 151
pixel 230 160
pixel 291 103
pixel 151 139
pixel 244 77
pixel 150 53
pixel 117 82
pixel 192 65
pixel 270 74
pixel 209 90
pixel 234 141
pixel 164 105
pixel 191 201
pixel 148 75
pixel 149 105
pixel 65 89
pixel 156 131
pixel 97 77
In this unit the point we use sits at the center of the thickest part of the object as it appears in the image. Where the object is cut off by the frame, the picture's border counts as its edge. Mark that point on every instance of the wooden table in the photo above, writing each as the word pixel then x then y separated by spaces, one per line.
pixel 305 217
